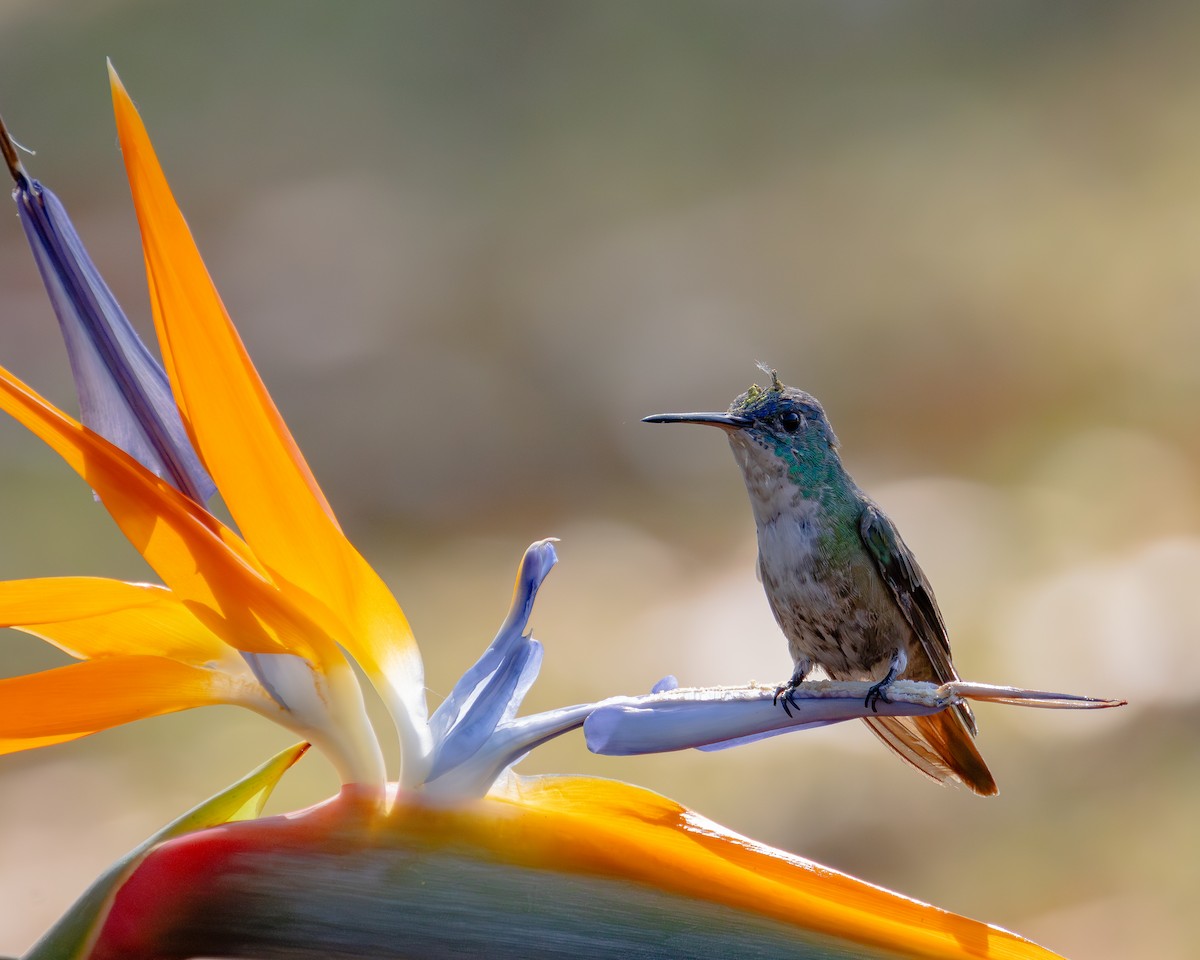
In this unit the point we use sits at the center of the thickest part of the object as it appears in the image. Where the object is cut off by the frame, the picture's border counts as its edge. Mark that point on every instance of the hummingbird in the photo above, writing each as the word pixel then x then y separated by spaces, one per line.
pixel 844 587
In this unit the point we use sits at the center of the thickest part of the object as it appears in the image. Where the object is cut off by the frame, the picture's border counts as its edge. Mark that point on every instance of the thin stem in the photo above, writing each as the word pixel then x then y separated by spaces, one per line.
pixel 9 148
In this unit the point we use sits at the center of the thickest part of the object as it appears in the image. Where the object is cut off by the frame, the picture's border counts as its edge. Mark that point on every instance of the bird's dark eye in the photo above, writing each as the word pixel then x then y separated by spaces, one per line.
pixel 790 421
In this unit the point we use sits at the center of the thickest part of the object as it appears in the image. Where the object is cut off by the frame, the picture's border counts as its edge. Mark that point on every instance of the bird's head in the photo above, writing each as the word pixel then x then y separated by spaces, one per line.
pixel 777 421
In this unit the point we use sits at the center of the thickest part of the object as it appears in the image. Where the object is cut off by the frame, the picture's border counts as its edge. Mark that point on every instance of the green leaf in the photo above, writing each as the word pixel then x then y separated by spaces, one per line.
pixel 71 937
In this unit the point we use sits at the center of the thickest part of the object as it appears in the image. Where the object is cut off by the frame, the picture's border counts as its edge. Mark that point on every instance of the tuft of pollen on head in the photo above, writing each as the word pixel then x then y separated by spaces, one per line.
pixel 756 392
pixel 776 386
pixel 765 405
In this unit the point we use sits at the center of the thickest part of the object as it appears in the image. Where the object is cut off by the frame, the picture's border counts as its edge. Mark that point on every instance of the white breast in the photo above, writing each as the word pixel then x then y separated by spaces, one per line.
pixel 787 544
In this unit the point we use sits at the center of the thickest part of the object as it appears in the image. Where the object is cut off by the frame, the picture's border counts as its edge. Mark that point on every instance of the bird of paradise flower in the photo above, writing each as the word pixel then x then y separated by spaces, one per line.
pixel 459 856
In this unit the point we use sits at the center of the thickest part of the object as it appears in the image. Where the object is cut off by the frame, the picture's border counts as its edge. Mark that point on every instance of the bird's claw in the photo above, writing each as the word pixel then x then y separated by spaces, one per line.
pixel 785 696
pixel 878 691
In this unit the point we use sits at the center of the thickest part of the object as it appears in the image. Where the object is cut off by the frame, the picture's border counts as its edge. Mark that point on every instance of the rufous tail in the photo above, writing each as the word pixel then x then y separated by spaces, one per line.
pixel 939 746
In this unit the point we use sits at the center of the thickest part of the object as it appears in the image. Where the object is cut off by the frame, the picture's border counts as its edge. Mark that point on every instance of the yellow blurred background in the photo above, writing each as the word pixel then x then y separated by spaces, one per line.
pixel 470 245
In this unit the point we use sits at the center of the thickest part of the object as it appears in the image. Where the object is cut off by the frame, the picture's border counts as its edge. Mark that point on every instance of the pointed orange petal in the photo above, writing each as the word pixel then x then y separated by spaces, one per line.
pixel 593 826
pixel 90 617
pixel 187 547
pixel 34 743
pixel 244 442
pixel 69 598
pixel 73 701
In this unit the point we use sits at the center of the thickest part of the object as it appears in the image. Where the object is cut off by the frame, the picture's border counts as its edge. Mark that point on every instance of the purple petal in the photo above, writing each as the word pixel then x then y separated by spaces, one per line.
pixel 509 742
pixel 491 691
pixel 721 718
pixel 124 394
pixel 497 697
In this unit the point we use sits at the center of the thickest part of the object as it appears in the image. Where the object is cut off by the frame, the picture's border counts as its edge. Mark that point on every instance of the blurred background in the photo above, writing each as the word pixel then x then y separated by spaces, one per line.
pixel 470 245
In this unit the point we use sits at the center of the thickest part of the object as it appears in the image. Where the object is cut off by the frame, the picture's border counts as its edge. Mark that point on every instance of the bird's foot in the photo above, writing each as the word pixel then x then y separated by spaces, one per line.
pixel 878 691
pixel 785 696
pixel 785 693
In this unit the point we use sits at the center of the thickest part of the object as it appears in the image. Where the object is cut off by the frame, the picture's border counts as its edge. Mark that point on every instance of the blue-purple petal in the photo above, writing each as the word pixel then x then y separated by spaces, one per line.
pixel 491 691
pixel 669 682
pixel 497 699
pixel 721 718
pixel 510 741
pixel 124 395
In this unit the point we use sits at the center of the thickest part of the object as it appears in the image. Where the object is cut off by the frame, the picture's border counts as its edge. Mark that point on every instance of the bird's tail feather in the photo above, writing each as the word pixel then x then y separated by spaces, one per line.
pixel 939 746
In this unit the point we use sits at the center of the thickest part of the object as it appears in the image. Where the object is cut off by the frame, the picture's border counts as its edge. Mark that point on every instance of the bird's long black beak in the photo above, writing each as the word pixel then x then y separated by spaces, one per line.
pixel 725 421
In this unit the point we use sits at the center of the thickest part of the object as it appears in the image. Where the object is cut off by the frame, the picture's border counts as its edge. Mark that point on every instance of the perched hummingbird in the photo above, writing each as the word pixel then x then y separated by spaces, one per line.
pixel 845 589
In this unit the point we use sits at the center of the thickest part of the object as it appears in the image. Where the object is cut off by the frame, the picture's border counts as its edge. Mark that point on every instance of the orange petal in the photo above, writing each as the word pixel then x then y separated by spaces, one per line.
pixel 51 599
pixel 193 553
pixel 33 743
pixel 91 617
pixel 244 442
pixel 593 826
pixel 73 701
